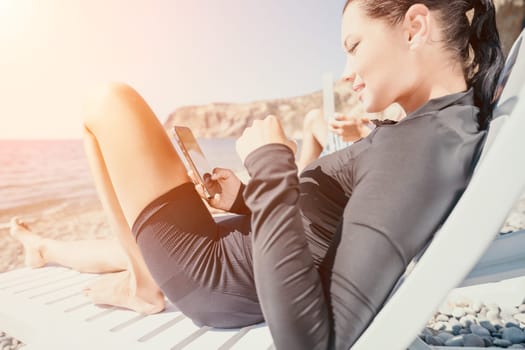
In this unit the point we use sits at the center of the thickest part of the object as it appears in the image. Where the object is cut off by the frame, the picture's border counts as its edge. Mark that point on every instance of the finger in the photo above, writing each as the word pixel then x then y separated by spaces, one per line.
pixel 337 131
pixel 342 124
pixel 215 199
pixel 220 173
pixel 335 127
pixel 200 190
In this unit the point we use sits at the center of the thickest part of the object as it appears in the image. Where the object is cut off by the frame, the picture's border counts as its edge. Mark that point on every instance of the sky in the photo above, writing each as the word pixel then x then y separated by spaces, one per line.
pixel 54 53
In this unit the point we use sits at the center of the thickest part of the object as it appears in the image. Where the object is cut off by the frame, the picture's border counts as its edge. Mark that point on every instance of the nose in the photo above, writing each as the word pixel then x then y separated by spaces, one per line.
pixel 349 74
pixel 351 77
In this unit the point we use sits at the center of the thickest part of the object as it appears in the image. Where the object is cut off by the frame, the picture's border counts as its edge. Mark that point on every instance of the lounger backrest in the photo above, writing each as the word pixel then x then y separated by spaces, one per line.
pixel 470 228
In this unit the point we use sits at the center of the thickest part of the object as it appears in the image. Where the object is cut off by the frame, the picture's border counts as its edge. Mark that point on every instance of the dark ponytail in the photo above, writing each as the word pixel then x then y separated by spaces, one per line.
pixel 488 58
pixel 475 44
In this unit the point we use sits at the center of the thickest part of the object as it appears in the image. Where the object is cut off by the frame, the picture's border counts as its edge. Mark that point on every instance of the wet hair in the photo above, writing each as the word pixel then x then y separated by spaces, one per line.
pixel 475 43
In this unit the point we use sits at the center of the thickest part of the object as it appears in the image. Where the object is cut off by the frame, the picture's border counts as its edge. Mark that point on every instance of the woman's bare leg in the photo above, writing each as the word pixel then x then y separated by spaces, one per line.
pixel 314 138
pixel 92 256
pixel 133 162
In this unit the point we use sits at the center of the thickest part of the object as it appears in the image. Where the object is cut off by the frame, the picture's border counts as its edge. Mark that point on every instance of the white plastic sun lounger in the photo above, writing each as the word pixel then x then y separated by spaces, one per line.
pixel 45 307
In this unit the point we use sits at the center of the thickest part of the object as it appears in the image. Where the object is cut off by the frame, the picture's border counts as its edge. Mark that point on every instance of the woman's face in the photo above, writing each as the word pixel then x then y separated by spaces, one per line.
pixel 377 59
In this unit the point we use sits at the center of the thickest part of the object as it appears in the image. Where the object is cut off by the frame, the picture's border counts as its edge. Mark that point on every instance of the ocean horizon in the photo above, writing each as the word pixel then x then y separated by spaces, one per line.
pixel 54 170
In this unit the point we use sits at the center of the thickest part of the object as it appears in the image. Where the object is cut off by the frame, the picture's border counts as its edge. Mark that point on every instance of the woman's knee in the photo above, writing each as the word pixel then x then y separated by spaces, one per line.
pixel 103 99
pixel 312 118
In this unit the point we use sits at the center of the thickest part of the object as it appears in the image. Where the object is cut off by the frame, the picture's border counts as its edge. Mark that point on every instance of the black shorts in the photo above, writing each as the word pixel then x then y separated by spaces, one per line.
pixel 203 267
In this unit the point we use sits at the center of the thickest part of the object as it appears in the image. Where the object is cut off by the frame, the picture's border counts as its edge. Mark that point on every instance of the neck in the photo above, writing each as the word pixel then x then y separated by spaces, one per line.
pixel 441 82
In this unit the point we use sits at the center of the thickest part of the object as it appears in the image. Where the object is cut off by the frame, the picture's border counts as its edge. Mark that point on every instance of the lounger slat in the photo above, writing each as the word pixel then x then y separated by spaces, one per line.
pixel 23 273
pixel 102 313
pixel 161 329
pixel 29 278
pixel 146 325
pixel 235 338
pixel 258 337
pixel 81 313
pixel 34 285
pixel 213 339
pixel 175 335
pixel 189 341
pixel 128 321
pixel 68 303
pixel 74 284
pixel 61 298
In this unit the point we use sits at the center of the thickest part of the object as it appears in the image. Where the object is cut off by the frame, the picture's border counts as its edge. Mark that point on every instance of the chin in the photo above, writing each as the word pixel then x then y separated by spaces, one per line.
pixel 368 106
pixel 373 106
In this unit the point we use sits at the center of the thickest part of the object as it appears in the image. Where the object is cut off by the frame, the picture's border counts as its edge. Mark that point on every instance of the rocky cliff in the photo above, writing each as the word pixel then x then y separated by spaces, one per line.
pixel 230 119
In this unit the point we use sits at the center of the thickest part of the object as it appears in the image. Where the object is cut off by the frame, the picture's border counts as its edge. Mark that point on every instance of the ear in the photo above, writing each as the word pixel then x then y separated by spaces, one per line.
pixel 416 25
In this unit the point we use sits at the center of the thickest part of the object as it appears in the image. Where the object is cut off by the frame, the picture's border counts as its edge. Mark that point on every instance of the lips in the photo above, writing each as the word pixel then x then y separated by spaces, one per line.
pixel 358 88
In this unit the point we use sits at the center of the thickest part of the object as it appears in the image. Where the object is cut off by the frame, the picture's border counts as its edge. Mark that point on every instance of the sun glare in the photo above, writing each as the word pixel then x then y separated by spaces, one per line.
pixel 14 17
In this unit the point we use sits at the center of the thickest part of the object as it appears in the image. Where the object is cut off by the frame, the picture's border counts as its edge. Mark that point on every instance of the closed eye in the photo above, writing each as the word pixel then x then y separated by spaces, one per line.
pixel 352 48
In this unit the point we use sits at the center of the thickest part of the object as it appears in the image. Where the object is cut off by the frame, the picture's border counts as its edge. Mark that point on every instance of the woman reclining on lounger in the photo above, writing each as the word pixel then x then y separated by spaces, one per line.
pixel 315 255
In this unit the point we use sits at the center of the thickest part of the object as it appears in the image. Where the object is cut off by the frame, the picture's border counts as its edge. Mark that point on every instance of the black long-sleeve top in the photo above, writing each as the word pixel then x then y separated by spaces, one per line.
pixel 329 247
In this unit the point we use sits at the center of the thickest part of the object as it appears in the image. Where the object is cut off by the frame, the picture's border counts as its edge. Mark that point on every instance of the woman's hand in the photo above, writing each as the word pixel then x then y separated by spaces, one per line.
pixel 262 132
pixel 230 185
pixel 350 129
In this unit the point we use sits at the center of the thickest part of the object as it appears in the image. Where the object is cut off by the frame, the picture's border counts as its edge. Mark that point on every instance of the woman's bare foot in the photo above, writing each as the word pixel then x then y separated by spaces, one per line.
pixel 116 289
pixel 32 243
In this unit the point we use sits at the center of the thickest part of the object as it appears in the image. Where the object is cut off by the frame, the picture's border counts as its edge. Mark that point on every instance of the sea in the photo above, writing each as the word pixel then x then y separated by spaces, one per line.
pixel 37 171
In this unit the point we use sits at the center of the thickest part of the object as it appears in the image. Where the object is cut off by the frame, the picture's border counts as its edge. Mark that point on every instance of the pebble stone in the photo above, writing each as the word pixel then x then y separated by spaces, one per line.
pixel 477 325
pixel 512 324
pixel 439 326
pixel 520 317
pixel 458 312
pixel 469 311
pixel 453 321
pixel 479 330
pixel 514 335
pixel 477 306
pixel 473 340
pixel 442 318
pixel 445 336
pixel 431 340
pixel 492 314
pixel 502 343
pixel 488 326
pixel 488 342
pixel 9 343
pixel 446 309
pixel 455 341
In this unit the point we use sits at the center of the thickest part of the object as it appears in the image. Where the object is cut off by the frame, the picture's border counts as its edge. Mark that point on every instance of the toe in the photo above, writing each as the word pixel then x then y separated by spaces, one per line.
pixel 14 221
pixel 17 223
